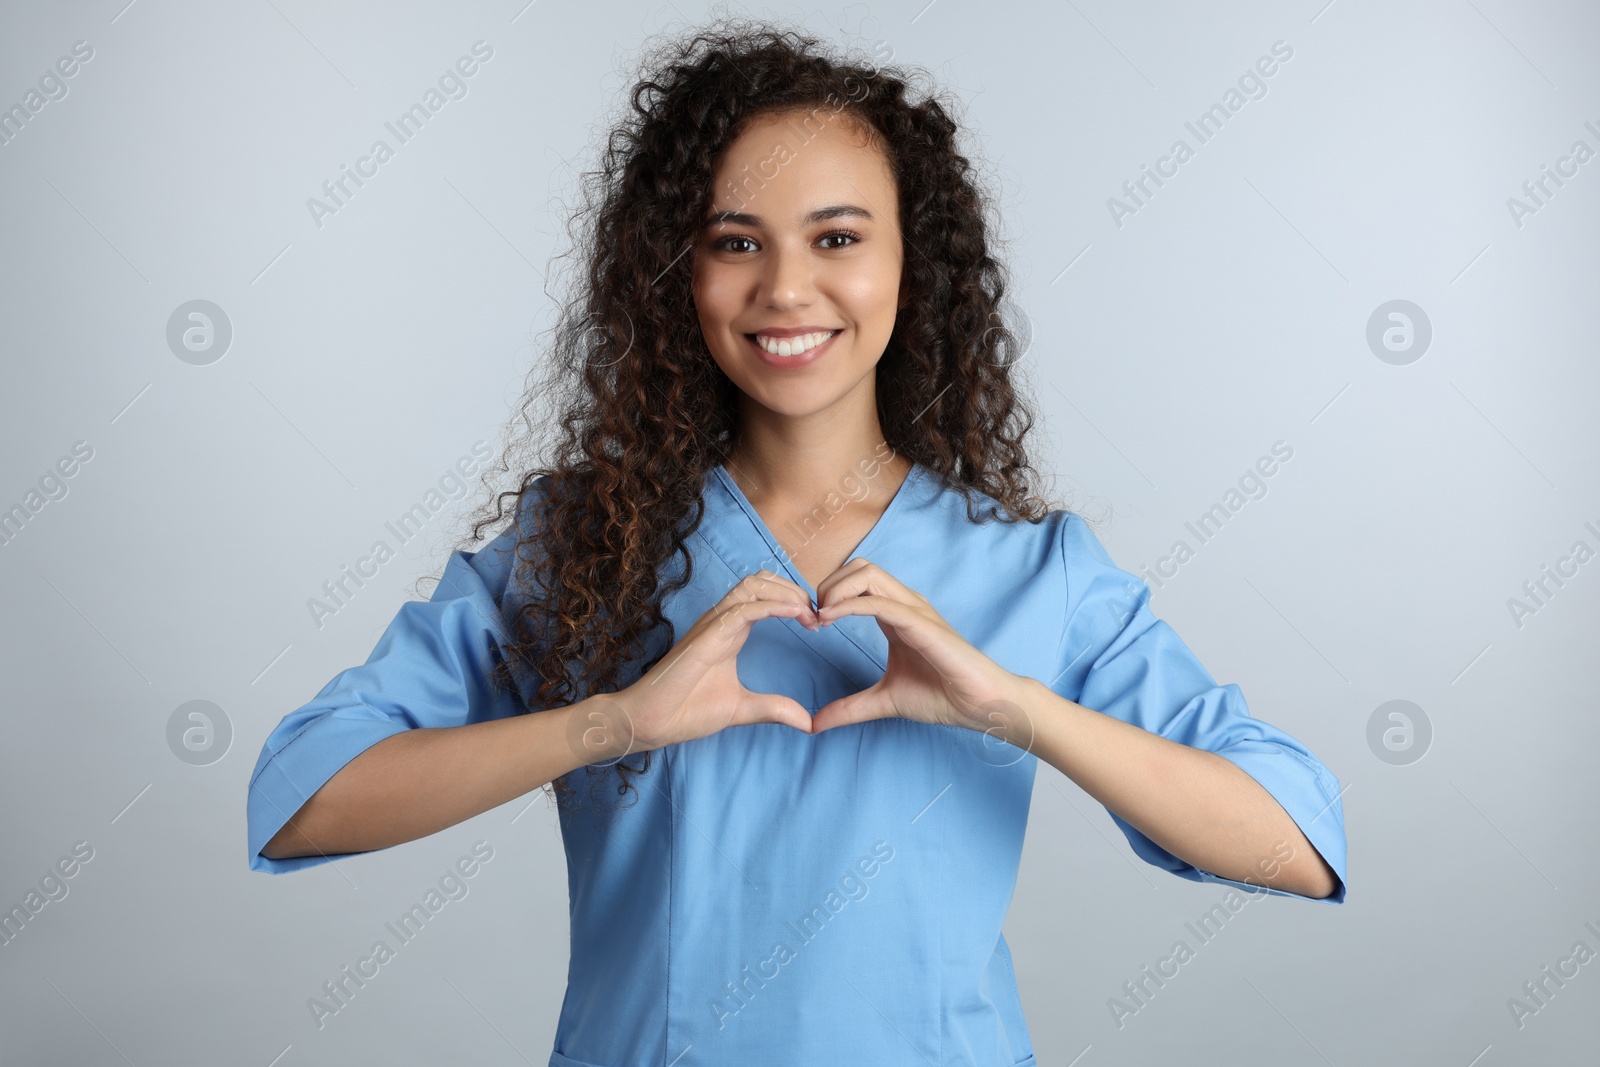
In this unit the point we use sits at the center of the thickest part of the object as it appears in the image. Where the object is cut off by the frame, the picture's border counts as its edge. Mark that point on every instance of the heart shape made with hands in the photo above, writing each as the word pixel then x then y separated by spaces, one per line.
pixel 934 675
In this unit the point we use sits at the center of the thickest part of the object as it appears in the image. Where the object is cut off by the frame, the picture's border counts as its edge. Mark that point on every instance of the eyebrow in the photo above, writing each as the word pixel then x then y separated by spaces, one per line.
pixel 821 214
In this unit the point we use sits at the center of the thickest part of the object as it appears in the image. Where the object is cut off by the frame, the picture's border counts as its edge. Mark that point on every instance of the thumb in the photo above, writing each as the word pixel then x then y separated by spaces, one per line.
pixel 870 703
pixel 771 707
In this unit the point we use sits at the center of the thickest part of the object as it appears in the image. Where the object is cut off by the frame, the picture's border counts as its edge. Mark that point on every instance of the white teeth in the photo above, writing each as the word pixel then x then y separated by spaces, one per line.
pixel 793 346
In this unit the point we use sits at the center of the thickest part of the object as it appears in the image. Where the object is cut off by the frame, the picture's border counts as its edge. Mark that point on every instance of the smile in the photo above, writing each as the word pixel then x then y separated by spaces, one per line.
pixel 792 346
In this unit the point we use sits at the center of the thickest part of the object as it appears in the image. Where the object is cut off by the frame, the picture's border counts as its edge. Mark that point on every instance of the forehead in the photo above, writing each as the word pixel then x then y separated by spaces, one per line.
pixel 791 158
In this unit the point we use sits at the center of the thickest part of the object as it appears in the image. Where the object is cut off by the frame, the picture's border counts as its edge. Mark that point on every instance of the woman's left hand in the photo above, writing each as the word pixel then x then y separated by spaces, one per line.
pixel 934 675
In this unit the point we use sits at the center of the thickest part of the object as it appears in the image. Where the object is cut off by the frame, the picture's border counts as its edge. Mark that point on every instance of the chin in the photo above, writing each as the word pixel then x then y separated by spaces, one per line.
pixel 795 403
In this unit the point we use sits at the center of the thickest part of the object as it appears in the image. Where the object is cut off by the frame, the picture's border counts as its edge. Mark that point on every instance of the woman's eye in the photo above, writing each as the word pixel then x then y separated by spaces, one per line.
pixel 727 244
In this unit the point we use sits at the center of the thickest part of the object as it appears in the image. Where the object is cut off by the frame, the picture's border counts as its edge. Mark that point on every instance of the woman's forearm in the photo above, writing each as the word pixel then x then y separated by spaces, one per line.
pixel 1197 805
pixel 421 781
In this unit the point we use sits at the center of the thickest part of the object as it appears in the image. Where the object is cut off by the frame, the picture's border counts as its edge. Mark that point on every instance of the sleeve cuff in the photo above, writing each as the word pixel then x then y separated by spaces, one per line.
pixel 290 776
pixel 1307 791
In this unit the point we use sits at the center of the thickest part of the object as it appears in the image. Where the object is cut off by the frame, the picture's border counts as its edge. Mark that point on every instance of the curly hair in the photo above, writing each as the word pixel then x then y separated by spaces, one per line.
pixel 643 410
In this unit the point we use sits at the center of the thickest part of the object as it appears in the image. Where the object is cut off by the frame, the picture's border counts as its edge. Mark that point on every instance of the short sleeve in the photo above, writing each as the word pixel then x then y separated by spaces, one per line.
pixel 1117 658
pixel 432 667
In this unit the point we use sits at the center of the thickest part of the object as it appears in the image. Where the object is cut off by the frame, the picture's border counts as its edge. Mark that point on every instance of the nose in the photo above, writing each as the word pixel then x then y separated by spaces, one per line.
pixel 787 281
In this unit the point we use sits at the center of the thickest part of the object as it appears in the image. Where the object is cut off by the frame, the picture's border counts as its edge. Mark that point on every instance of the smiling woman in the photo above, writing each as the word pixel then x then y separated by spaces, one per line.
pixel 783 580
pixel 797 304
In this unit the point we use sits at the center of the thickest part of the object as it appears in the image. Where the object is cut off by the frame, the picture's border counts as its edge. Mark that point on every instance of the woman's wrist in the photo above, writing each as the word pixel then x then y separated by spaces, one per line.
pixel 1008 716
pixel 598 729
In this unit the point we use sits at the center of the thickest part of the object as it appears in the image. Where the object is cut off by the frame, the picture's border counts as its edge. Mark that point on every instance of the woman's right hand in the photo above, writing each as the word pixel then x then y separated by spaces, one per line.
pixel 694 690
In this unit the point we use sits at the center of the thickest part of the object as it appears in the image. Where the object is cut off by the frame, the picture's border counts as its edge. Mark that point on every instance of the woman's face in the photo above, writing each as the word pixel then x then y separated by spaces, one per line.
pixel 797 288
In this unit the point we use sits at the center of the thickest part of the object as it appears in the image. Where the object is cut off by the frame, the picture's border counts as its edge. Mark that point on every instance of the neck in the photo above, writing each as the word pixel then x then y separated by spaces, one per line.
pixel 779 458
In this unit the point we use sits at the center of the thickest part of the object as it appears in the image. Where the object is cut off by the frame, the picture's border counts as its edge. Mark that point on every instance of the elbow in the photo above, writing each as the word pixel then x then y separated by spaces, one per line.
pixel 1322 890
pixel 291 841
pixel 278 848
pixel 1320 881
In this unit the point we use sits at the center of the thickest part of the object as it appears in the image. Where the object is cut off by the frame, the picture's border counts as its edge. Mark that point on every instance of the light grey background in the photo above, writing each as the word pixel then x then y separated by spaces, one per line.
pixel 1169 353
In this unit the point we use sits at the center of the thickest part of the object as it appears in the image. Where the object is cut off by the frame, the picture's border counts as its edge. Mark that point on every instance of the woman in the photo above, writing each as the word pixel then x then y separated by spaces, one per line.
pixel 787 590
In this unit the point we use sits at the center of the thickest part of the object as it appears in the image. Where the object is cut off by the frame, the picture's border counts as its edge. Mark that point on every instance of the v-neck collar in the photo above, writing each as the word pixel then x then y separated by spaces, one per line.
pixel 896 502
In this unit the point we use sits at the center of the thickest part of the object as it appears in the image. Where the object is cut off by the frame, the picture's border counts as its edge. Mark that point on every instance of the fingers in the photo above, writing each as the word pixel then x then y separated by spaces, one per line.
pixel 860 577
pixel 720 635
pixel 765 587
pixel 833 586
pixel 894 612
pixel 722 630
pixel 752 610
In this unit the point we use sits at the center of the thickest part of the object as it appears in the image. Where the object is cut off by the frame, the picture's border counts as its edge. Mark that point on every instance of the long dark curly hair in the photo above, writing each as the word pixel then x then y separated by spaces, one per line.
pixel 643 410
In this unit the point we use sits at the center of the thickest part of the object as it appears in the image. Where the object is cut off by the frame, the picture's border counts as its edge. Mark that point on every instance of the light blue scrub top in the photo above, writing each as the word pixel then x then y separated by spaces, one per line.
pixel 773 897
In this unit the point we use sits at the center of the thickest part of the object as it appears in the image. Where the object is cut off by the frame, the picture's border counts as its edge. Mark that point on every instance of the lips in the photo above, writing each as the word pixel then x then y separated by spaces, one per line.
pixel 801 350
pixel 787 345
